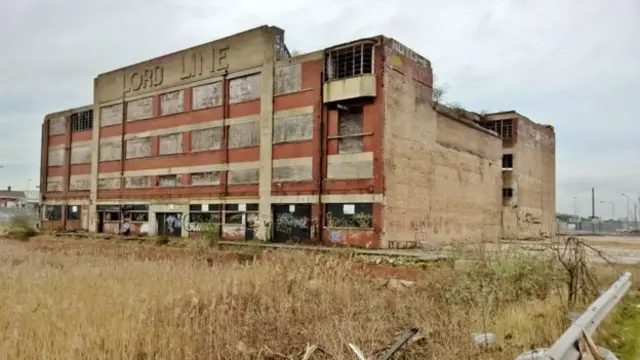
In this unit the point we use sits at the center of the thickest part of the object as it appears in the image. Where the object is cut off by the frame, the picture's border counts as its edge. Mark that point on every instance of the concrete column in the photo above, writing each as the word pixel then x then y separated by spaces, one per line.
pixel 266 134
pixel 95 148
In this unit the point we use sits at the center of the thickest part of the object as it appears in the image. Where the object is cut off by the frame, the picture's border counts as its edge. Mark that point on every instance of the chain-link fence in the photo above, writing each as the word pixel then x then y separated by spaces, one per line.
pixel 7 213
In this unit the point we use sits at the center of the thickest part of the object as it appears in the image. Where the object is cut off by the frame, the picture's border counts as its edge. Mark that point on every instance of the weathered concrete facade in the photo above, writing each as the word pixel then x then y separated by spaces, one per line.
pixel 529 168
pixel 340 146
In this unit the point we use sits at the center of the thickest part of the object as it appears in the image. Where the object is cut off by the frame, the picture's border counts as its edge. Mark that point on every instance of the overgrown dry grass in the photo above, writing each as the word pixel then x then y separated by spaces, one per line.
pixel 94 301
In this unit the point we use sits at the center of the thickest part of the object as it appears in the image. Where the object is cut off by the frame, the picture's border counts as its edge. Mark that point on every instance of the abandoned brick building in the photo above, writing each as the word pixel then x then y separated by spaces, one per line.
pixel 343 145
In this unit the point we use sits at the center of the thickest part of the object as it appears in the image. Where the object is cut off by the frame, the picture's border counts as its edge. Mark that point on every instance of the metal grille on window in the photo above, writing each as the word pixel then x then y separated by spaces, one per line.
pixel 82 121
pixel 504 128
pixel 349 61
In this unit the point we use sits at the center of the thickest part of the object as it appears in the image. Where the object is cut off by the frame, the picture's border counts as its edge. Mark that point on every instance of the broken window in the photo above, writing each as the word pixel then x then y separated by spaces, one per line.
pixel 507 161
pixel 349 61
pixel 82 121
pixel 507 193
pixel 73 212
pixel 204 213
pixel 350 130
pixel 504 128
pixel 358 215
pixel 168 180
pixel 53 212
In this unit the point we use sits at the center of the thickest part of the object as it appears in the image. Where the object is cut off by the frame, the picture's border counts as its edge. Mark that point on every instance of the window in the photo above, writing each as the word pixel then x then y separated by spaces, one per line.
pixel 507 193
pixel 53 212
pixel 136 213
pixel 350 130
pixel 349 61
pixel 507 161
pixel 350 215
pixel 168 180
pixel 204 213
pixel 234 213
pixel 82 121
pixel 73 212
pixel 504 128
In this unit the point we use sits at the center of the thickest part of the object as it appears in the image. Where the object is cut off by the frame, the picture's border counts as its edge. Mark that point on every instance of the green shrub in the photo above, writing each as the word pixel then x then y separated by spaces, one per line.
pixel 21 228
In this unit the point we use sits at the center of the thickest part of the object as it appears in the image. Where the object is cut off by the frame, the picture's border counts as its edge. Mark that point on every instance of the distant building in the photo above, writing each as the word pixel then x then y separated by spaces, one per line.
pixel 344 145
pixel 18 199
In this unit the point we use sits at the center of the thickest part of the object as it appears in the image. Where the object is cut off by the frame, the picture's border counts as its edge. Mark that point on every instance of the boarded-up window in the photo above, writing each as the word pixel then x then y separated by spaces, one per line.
pixel 57 125
pixel 172 102
pixel 340 168
pixel 350 129
pixel 244 176
pixel 54 183
pixel 292 173
pixel 138 148
pixel 244 89
pixel 244 135
pixel 170 144
pixel 109 183
pixel 81 154
pixel 55 157
pixel 206 139
pixel 205 178
pixel 111 115
pixel 140 109
pixel 79 182
pixel 168 180
pixel 110 150
pixel 133 182
pixel 288 79
pixel 294 128
pixel 207 96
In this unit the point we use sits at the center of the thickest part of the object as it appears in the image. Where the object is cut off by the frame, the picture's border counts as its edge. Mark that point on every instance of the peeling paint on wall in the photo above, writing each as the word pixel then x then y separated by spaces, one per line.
pixel 136 182
pixel 81 154
pixel 58 125
pixel 295 128
pixel 244 89
pixel 54 183
pixel 111 115
pixel 110 150
pixel 170 144
pixel 244 135
pixel 205 178
pixel 288 79
pixel 292 173
pixel 80 182
pixel 109 183
pixel 207 96
pixel 140 109
pixel 206 139
pixel 172 102
pixel 244 176
pixel 137 148
pixel 56 157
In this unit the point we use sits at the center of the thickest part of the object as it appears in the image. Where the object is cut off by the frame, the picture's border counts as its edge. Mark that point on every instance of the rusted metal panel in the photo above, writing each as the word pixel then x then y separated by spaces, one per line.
pixel 244 89
pixel 56 157
pixel 110 151
pixel 244 135
pixel 206 139
pixel 136 182
pixel 288 79
pixel 138 148
pixel 205 178
pixel 295 128
pixel 292 173
pixel 206 96
pixel 140 109
pixel 170 144
pixel 109 183
pixel 58 125
pixel 244 176
pixel 172 102
pixel 80 182
pixel 81 154
pixel 111 115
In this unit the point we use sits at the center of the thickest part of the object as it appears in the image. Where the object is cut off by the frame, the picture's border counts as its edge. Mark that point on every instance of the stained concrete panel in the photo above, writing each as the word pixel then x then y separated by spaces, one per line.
pixel 295 128
pixel 111 115
pixel 79 182
pixel 140 109
pixel 244 176
pixel 206 139
pixel 288 79
pixel 292 173
pixel 109 183
pixel 138 148
pixel 54 183
pixel 205 178
pixel 56 157
pixel 136 182
pixel 206 96
pixel 170 144
pixel 81 154
pixel 244 89
pixel 172 102
pixel 244 135
pixel 110 151
pixel 350 170
pixel 57 125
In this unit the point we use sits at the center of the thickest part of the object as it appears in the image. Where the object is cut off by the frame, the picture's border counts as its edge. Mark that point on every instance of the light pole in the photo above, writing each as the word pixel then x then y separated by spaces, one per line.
pixel 575 208
pixel 613 208
pixel 628 208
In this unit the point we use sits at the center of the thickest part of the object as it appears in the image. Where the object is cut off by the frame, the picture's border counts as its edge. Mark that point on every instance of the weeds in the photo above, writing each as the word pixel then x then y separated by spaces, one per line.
pixel 21 228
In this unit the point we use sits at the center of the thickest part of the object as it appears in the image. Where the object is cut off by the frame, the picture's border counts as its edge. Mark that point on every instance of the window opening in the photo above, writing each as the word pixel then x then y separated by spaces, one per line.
pixel 82 121
pixel 349 61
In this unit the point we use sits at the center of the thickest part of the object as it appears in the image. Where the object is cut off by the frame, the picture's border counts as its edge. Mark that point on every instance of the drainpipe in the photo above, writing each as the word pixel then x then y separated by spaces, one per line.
pixel 225 144
pixel 321 157
pixel 122 154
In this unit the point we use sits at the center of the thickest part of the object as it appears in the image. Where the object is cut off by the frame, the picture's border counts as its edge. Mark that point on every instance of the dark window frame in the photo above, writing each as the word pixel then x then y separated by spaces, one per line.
pixel 71 215
pixel 507 161
pixel 82 121
pixel 349 61
pixel 362 217
pixel 53 212
pixel 507 192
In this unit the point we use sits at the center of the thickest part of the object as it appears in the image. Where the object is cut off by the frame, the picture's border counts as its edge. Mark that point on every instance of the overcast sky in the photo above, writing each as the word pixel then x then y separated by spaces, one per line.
pixel 571 63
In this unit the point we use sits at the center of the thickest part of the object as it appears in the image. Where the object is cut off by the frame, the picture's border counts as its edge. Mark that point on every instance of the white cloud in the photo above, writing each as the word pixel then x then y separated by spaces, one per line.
pixel 570 63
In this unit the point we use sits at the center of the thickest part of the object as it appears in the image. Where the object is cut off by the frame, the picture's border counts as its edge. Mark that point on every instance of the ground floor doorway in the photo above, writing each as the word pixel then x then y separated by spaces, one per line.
pixel 292 223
